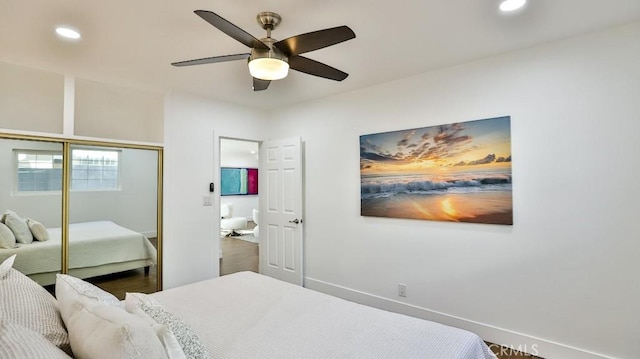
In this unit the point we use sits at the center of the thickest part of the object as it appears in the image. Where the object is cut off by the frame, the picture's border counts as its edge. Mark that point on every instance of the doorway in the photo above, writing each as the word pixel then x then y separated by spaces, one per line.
pixel 239 203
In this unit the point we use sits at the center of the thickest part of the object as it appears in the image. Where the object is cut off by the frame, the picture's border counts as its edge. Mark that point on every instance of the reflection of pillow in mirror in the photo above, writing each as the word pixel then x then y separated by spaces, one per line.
pixel 38 230
pixel 7 212
pixel 7 238
pixel 19 228
pixel 6 266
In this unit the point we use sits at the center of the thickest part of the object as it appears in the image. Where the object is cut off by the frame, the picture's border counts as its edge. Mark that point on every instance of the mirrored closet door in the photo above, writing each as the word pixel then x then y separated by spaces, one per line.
pixel 113 207
pixel 111 201
pixel 31 204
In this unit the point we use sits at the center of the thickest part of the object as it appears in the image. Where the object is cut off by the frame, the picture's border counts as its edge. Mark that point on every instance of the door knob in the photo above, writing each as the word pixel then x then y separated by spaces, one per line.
pixel 296 221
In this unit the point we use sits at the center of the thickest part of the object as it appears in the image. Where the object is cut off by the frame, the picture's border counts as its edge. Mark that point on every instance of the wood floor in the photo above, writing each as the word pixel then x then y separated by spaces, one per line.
pixel 238 256
pixel 131 281
pixel 119 284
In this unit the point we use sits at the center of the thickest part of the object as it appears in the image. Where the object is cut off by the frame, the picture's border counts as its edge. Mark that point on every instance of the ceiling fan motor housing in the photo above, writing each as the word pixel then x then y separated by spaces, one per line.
pixel 271 64
pixel 272 53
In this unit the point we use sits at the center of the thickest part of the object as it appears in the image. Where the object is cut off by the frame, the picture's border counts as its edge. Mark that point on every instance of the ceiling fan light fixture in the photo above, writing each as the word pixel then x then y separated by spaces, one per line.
pixel 268 68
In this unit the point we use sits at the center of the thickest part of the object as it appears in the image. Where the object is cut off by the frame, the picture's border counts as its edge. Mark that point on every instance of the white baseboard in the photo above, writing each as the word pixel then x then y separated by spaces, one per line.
pixel 519 341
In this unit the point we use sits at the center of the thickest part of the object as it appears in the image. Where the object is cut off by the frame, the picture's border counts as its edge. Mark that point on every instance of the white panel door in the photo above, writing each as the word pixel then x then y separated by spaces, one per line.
pixel 281 228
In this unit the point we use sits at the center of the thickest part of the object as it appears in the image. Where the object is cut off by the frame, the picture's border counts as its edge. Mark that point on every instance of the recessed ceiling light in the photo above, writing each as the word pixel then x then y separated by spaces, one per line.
pixel 511 5
pixel 67 33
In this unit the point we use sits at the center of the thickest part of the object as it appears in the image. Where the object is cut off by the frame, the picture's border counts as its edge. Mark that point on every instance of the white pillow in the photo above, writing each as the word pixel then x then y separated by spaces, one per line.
pixel 134 300
pixel 6 266
pixel 38 230
pixel 7 238
pixel 70 290
pixel 98 330
pixel 19 228
pixel 7 212
pixel 189 341
pixel 17 341
pixel 171 345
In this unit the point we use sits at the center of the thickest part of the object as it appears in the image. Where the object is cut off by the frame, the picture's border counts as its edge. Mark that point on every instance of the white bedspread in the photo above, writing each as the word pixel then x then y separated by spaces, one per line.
pixel 90 244
pixel 247 315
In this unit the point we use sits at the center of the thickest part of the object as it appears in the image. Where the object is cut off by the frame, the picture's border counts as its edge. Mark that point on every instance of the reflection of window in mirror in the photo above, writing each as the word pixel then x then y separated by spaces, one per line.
pixel 94 169
pixel 41 171
pixel 38 171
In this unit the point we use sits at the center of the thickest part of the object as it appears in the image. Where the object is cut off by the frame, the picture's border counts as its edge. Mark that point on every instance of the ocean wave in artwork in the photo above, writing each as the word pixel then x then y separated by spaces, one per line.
pixel 387 186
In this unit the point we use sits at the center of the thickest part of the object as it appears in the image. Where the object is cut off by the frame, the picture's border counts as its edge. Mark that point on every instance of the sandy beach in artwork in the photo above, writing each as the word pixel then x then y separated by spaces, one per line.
pixel 459 172
pixel 482 207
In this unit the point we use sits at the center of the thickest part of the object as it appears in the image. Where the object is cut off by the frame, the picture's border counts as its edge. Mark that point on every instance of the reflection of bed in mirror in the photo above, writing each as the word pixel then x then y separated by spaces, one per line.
pixel 95 248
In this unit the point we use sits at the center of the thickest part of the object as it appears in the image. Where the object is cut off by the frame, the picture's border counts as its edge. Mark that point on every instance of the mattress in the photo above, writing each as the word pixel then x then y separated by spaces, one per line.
pixel 91 244
pixel 248 315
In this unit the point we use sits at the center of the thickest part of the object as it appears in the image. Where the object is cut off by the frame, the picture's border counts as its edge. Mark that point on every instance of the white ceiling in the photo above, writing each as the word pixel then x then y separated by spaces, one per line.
pixel 230 148
pixel 133 42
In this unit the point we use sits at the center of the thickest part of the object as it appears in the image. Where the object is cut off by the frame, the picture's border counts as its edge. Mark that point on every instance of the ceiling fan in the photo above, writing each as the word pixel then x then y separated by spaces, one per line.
pixel 270 59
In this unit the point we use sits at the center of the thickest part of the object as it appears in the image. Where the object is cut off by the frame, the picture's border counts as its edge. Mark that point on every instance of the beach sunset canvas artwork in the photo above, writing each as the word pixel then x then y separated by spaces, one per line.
pixel 458 172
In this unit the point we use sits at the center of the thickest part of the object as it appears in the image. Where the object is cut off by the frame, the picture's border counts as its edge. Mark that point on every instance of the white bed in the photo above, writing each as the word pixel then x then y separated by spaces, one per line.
pixel 238 316
pixel 95 248
pixel 247 315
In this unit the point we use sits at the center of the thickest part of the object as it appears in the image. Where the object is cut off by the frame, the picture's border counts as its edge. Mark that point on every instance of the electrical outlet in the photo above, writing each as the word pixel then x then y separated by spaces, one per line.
pixel 402 290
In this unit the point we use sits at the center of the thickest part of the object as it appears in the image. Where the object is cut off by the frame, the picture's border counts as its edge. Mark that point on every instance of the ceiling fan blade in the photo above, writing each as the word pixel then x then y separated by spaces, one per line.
pixel 260 85
pixel 211 60
pixel 315 40
pixel 231 29
pixel 315 68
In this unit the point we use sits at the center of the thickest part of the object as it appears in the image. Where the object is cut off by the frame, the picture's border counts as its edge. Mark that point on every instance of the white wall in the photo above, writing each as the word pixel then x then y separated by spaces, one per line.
pixel 111 111
pixel 193 126
pixel 242 206
pixel 30 99
pixel 563 280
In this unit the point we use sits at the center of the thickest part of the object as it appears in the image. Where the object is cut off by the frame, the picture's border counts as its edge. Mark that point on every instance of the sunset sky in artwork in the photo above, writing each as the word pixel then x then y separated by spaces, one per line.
pixel 452 147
